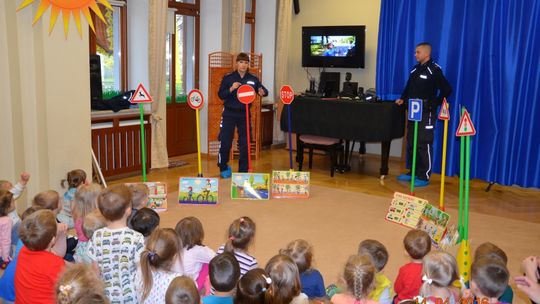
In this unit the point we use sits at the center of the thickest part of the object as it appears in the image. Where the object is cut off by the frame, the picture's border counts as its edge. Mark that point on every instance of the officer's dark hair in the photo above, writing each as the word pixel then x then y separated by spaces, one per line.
pixel 426 44
pixel 242 56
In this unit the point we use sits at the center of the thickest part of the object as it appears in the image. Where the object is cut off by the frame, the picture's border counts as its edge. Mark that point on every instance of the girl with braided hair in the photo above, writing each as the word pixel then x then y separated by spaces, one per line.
pixel 358 278
pixel 158 260
pixel 240 238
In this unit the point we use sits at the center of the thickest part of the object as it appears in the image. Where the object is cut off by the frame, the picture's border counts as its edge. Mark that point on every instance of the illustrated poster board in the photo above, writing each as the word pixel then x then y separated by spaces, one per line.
pixel 251 186
pixel 157 195
pixel 290 184
pixel 198 191
pixel 417 213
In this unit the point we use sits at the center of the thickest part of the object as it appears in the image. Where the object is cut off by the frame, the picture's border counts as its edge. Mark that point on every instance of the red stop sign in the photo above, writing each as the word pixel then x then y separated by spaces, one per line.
pixel 286 94
pixel 245 94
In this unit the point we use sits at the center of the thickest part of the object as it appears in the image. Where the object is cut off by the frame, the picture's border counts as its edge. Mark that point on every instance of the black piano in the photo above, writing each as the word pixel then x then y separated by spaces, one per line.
pixel 349 120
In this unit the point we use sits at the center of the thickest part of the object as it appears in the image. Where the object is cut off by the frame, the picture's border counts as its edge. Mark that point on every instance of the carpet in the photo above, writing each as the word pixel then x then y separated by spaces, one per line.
pixel 334 222
pixel 177 163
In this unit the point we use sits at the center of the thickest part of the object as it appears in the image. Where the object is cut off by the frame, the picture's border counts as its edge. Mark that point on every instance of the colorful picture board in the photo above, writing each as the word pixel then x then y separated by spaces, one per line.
pixel 198 191
pixel 417 213
pixel 290 184
pixel 252 186
pixel 157 195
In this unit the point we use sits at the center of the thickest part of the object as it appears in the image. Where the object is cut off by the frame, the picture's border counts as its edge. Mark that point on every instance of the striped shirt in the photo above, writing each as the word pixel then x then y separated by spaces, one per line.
pixel 246 261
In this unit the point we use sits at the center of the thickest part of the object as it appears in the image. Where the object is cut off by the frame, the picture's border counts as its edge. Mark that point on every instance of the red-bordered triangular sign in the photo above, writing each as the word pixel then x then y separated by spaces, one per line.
pixel 466 127
pixel 141 95
pixel 444 113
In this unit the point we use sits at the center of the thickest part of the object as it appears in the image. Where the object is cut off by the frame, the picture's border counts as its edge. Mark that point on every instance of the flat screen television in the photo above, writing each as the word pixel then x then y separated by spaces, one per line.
pixel 334 46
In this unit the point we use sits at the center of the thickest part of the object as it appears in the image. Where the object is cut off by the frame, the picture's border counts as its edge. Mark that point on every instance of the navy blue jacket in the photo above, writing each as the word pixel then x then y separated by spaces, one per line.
pixel 230 101
pixel 425 81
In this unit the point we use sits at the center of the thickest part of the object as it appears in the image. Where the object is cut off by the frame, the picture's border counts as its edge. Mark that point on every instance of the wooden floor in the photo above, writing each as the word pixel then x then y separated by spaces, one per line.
pixel 507 202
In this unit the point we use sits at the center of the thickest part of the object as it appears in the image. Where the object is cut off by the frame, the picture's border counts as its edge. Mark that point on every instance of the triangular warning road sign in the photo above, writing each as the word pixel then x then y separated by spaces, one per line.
pixel 444 113
pixel 466 127
pixel 141 95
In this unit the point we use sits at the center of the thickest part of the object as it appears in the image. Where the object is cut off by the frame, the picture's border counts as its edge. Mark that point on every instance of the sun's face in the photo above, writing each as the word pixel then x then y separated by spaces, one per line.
pixel 68 7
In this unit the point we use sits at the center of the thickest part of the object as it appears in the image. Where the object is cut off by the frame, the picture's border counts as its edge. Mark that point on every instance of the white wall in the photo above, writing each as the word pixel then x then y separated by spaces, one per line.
pixel 210 42
pixel 45 117
pixel 347 12
pixel 265 42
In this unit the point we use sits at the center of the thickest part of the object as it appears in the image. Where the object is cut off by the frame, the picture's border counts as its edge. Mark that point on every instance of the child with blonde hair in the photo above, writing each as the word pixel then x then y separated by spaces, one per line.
pixel 17 190
pixel 74 179
pixel 359 278
pixel 241 234
pixel 439 271
pixel 157 260
pixel 182 290
pixel 417 243
pixel 116 249
pixel 285 287
pixel 382 290
pixel 92 222
pixel 253 287
pixel 301 252
pixel 84 203
pixel 6 224
pixel 79 283
pixel 37 268
pixel 194 254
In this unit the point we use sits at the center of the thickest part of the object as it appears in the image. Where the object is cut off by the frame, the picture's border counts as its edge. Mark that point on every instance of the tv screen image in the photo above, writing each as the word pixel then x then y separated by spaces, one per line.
pixel 333 46
pixel 336 46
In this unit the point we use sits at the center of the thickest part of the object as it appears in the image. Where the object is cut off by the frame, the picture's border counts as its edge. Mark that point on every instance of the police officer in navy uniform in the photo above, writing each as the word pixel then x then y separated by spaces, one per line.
pixel 234 114
pixel 426 82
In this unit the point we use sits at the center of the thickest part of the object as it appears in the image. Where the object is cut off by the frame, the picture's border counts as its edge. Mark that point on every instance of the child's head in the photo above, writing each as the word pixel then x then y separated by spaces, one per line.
pixel 74 178
pixel 86 199
pixel 29 211
pixel 6 202
pixel 253 287
pixel 376 251
pixel 241 233
pixel 490 250
pixel 92 222
pixel 145 221
pixel 191 231
pixel 224 272
pixel 49 199
pixel 162 250
pixel 417 243
pixel 5 185
pixel 285 278
pixel 38 230
pixel 115 202
pixel 301 252
pixel 439 269
pixel 359 275
pixel 80 284
pixel 182 290
pixel 489 277
pixel 139 195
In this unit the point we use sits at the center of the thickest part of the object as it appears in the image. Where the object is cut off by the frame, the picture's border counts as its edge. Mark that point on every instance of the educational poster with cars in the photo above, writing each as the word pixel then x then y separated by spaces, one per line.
pixel 414 212
pixel 157 195
pixel 198 191
pixel 250 186
pixel 290 184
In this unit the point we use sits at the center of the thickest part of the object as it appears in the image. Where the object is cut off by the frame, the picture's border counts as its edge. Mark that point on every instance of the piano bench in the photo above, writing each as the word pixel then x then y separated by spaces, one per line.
pixel 333 146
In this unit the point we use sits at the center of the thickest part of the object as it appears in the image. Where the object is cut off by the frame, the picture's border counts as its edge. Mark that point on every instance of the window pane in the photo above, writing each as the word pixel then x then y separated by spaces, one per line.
pixel 185 1
pixel 168 63
pixel 248 6
pixel 185 56
pixel 108 48
pixel 247 38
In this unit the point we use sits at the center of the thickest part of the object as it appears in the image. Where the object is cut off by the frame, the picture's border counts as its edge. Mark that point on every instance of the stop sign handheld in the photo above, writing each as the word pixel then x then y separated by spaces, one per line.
pixel 245 94
pixel 286 94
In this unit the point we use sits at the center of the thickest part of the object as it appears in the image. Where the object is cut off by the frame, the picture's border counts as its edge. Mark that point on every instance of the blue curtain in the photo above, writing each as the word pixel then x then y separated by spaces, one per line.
pixel 489 51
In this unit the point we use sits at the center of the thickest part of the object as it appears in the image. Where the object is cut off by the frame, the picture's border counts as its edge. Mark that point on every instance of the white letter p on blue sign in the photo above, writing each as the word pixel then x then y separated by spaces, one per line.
pixel 415 109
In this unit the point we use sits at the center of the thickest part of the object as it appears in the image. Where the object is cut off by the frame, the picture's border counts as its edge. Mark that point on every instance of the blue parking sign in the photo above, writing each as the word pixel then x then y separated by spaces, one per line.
pixel 415 109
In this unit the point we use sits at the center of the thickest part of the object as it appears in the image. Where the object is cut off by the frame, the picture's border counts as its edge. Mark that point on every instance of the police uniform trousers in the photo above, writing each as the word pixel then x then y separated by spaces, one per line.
pixel 424 146
pixel 231 119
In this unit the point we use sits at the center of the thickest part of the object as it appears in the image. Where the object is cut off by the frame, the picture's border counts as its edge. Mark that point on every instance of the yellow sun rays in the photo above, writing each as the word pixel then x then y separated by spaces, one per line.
pixel 68 8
